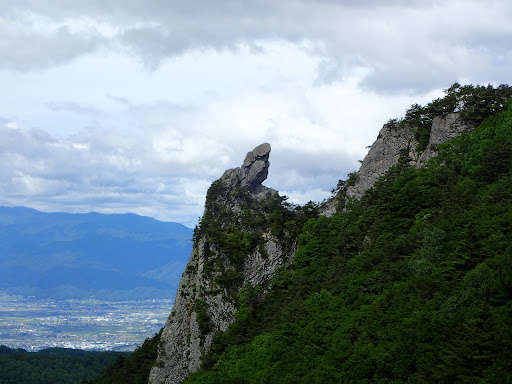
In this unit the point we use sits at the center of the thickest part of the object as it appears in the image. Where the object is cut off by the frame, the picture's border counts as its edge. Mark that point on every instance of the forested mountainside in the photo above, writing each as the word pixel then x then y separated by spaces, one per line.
pixel 76 256
pixel 52 365
pixel 412 283
pixel 403 277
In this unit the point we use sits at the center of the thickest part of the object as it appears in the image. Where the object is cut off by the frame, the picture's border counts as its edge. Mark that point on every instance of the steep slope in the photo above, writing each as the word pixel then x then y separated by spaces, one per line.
pixel 414 139
pixel 65 256
pixel 240 240
pixel 412 284
pixel 395 140
pixel 406 279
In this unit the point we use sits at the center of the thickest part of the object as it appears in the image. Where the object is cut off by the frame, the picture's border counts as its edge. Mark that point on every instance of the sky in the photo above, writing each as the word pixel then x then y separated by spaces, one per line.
pixel 119 106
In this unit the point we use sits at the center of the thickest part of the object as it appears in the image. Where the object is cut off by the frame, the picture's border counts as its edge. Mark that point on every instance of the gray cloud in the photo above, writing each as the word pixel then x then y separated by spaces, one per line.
pixel 23 47
pixel 106 171
pixel 69 106
pixel 307 175
pixel 91 171
pixel 431 42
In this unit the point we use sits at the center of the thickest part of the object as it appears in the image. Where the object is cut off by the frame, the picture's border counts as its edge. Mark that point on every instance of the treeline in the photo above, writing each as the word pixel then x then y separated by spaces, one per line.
pixel 474 103
pixel 53 365
pixel 72 366
pixel 411 284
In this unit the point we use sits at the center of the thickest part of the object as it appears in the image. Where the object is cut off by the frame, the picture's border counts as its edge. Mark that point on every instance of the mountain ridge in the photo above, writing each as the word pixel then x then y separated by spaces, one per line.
pixel 117 256
pixel 220 266
pixel 409 282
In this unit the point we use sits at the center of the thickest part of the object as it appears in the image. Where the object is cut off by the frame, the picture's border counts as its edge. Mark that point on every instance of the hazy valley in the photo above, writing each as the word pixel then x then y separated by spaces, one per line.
pixel 33 324
pixel 86 281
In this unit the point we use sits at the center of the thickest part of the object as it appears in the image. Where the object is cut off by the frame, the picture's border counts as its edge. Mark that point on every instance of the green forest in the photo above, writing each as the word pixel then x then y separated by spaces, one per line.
pixel 413 283
pixel 132 369
pixel 52 365
pixel 72 366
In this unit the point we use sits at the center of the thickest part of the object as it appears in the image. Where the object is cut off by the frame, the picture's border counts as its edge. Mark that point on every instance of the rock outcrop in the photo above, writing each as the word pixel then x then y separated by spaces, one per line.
pixel 392 140
pixel 205 301
pixel 253 171
pixel 220 265
pixel 383 154
pixel 444 128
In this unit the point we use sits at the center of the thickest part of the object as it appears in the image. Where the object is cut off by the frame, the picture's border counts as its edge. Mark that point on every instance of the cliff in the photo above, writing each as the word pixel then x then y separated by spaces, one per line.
pixel 393 141
pixel 233 246
pixel 367 288
pixel 413 283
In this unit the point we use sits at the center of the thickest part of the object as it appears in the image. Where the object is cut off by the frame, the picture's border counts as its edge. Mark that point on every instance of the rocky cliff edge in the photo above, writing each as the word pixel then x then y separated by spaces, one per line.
pixel 393 139
pixel 232 248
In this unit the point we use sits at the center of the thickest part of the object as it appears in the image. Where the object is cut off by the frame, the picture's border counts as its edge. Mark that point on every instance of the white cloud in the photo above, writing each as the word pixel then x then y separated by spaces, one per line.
pixel 389 37
pixel 28 43
pixel 130 106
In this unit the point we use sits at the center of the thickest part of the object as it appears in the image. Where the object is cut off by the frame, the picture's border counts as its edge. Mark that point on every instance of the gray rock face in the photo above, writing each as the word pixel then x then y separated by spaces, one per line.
pixel 260 268
pixel 253 171
pixel 182 343
pixel 444 128
pixel 383 154
pixel 186 337
pixel 392 140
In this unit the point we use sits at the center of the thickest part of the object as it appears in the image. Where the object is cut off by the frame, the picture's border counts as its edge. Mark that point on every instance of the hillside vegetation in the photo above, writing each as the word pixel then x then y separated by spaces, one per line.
pixel 412 284
pixel 52 365
pixel 133 368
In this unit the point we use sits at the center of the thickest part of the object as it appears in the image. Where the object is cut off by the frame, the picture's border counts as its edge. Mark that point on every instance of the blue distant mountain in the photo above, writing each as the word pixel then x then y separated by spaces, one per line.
pixel 109 257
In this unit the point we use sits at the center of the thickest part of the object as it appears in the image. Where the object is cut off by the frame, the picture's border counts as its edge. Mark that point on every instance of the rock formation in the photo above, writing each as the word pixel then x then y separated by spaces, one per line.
pixel 383 154
pixel 253 171
pixel 444 128
pixel 391 141
pixel 215 273
pixel 205 302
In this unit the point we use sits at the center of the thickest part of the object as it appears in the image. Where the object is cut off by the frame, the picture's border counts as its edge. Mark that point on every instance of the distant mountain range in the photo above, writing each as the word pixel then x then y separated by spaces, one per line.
pixel 108 257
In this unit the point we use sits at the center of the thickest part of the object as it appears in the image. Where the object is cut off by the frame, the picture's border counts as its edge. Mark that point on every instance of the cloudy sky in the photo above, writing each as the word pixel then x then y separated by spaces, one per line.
pixel 137 106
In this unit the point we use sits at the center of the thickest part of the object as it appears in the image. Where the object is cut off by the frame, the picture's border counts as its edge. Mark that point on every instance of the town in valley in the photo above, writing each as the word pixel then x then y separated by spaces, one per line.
pixel 35 323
